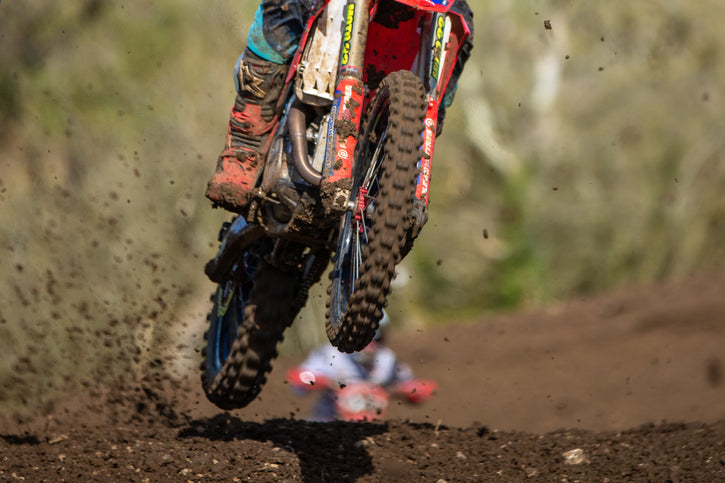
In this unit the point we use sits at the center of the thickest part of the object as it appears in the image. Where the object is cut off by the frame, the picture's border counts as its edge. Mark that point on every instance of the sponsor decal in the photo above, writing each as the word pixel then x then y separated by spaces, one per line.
pixel 437 47
pixel 224 300
pixel 327 160
pixel 428 140
pixel 440 24
pixel 349 18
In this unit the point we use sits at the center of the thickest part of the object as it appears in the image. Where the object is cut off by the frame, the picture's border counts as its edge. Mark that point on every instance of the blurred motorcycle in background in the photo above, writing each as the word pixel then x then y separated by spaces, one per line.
pixel 359 400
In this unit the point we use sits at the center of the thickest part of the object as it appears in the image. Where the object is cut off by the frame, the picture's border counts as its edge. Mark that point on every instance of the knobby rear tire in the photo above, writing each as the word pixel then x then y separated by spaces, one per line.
pixel 271 308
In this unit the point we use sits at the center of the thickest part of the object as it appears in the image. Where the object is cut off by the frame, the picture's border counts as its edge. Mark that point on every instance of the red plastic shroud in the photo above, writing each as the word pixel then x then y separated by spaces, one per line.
pixel 428 5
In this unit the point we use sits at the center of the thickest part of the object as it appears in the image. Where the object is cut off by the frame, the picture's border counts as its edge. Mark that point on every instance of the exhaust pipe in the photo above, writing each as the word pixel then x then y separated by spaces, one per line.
pixel 296 124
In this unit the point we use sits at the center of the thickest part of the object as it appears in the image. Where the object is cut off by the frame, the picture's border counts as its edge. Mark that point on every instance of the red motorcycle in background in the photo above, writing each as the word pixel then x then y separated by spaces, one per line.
pixel 359 400
pixel 348 164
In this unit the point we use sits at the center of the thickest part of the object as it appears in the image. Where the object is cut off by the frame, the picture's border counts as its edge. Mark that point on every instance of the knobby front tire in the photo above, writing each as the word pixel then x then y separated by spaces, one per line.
pixel 372 237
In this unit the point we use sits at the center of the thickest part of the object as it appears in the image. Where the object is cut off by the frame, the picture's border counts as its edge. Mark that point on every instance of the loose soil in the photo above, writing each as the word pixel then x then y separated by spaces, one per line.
pixel 627 386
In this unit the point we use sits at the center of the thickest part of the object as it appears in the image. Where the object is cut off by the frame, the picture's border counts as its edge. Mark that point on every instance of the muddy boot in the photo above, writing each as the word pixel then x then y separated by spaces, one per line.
pixel 252 119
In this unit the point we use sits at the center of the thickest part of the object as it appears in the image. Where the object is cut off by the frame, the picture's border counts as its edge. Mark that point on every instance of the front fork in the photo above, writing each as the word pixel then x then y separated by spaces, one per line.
pixel 438 51
pixel 437 71
pixel 347 107
pixel 430 122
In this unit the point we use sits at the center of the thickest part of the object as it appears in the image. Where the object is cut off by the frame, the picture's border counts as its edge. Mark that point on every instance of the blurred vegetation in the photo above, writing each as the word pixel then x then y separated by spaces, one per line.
pixel 575 159
pixel 591 154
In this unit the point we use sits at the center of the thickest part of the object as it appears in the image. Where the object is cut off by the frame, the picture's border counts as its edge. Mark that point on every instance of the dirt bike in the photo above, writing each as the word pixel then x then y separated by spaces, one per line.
pixel 347 171
pixel 361 400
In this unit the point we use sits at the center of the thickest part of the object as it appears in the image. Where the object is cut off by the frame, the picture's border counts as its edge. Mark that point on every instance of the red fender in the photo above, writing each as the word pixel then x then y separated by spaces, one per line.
pixel 416 390
pixel 429 5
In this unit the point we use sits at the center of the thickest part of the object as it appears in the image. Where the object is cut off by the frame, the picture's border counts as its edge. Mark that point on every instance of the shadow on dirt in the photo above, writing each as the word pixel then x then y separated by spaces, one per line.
pixel 326 451
pixel 20 440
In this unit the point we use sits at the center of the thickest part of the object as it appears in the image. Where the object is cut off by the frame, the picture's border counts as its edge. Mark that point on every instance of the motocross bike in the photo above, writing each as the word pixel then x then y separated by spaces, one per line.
pixel 360 400
pixel 346 173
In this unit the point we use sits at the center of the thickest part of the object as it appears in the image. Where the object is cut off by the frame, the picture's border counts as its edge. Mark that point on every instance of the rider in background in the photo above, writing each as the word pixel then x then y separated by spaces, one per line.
pixel 326 370
pixel 259 77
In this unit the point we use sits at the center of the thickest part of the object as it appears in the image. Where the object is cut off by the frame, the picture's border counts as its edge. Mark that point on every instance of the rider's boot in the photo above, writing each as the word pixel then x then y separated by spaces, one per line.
pixel 253 117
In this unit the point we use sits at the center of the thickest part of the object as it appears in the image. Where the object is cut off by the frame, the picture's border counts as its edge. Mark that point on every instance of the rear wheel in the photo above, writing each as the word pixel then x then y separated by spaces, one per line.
pixel 371 237
pixel 252 308
pixel 245 325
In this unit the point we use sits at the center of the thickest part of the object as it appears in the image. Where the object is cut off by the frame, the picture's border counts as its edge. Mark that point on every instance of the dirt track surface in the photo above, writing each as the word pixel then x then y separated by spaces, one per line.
pixel 635 378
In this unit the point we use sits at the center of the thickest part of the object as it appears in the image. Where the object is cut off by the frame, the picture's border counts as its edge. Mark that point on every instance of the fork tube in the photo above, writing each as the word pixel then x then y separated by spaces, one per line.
pixel 349 93
pixel 430 124
pixel 436 77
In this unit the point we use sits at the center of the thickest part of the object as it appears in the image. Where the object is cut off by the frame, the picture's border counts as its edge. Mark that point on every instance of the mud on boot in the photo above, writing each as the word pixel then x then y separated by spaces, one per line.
pixel 253 117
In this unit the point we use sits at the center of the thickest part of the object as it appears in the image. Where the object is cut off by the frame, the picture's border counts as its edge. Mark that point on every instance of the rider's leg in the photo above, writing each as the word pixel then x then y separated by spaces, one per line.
pixel 253 116
pixel 259 77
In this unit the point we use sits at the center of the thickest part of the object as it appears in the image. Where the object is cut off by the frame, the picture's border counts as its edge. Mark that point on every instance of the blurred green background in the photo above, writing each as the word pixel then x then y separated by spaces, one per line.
pixel 574 160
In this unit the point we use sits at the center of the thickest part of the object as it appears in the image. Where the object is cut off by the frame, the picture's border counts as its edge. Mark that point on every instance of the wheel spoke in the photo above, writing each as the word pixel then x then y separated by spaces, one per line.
pixel 377 160
pixel 363 228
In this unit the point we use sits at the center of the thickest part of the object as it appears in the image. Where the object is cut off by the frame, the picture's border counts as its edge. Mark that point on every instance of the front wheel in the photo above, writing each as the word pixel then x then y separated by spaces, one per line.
pixel 371 237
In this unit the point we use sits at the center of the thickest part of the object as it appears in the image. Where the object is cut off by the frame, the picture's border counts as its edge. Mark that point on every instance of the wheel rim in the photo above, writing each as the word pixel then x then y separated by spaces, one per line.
pixel 231 299
pixel 226 327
